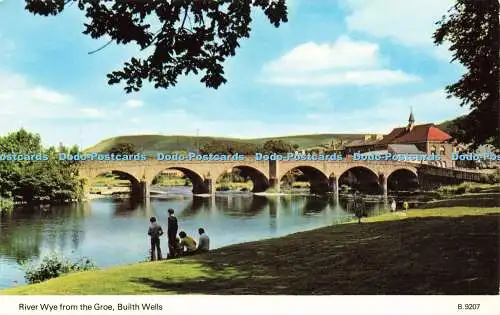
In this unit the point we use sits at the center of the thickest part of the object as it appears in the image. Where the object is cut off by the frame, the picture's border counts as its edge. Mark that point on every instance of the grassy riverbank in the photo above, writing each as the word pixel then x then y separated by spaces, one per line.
pixel 433 251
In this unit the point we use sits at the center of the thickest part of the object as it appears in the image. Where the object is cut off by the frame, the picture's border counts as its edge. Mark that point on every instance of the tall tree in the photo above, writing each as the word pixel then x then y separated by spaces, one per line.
pixel 277 146
pixel 191 35
pixel 472 28
pixel 123 148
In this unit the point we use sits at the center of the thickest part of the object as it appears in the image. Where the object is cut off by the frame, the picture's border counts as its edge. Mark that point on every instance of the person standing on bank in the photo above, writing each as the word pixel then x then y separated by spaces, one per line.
pixel 393 205
pixel 173 227
pixel 155 231
pixel 204 241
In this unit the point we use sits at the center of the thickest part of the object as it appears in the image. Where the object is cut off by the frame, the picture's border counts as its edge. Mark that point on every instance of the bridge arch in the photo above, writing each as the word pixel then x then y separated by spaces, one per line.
pixel 134 186
pixel 403 178
pixel 197 180
pixel 360 178
pixel 318 180
pixel 259 179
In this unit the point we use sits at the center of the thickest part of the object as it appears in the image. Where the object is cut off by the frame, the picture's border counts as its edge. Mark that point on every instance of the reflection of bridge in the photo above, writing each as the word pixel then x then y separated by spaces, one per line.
pixel 324 176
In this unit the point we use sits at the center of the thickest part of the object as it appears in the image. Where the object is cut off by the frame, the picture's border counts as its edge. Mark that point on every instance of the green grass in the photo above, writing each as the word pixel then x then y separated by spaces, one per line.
pixel 434 251
pixel 468 187
pixel 234 185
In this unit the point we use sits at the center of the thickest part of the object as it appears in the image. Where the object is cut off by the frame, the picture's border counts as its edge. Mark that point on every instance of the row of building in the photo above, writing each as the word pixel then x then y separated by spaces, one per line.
pixel 411 139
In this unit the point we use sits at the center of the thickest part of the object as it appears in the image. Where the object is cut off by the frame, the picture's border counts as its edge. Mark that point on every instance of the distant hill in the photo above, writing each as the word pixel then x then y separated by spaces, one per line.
pixel 160 143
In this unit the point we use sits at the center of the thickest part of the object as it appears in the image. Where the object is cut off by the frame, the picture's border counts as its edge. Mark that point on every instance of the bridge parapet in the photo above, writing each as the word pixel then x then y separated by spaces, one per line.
pixel 461 175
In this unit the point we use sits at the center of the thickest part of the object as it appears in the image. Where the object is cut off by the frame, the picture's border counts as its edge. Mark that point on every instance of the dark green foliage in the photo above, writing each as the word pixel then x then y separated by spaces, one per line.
pixel 35 181
pixel 6 204
pixel 492 178
pixel 277 146
pixel 236 175
pixel 227 147
pixel 192 36
pixel 472 27
pixel 123 148
pixel 53 266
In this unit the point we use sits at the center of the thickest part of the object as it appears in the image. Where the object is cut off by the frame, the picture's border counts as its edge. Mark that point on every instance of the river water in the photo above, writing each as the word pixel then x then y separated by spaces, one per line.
pixel 113 232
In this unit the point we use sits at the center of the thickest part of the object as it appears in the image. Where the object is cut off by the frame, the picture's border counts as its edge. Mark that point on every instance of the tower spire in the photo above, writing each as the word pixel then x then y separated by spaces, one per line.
pixel 411 119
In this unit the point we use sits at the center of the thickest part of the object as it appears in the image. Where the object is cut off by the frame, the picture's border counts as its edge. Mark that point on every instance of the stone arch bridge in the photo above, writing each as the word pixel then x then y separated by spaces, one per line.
pixel 324 176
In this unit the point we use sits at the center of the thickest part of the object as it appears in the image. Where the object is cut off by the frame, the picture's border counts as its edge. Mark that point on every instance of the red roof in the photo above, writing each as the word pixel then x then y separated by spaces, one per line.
pixel 395 133
pixel 419 133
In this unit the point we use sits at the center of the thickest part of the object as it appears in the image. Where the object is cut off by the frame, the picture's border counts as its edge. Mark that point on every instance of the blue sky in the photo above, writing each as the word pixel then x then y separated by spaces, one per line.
pixel 336 67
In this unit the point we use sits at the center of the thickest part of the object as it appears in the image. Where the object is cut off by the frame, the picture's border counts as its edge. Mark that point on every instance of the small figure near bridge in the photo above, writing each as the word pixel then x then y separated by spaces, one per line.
pixel 393 205
pixel 359 207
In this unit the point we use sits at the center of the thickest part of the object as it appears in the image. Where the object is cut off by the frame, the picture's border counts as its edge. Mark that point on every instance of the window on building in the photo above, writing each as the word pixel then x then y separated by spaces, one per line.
pixel 433 149
pixel 442 150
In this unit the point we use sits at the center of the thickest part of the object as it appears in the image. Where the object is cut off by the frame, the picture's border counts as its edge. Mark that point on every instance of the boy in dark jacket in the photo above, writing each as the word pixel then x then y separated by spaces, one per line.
pixel 173 227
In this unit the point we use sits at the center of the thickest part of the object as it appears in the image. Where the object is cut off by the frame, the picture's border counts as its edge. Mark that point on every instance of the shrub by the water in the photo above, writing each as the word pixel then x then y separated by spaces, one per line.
pixel 6 204
pixel 53 266
pixel 458 189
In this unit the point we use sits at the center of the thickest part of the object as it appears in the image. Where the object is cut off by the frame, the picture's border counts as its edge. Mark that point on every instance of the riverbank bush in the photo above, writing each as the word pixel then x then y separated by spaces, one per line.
pixel 6 204
pixel 493 178
pixel 46 180
pixel 53 266
pixel 466 187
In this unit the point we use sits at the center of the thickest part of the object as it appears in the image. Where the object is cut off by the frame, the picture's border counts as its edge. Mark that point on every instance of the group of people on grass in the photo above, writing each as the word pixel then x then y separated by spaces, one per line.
pixel 180 245
pixel 393 205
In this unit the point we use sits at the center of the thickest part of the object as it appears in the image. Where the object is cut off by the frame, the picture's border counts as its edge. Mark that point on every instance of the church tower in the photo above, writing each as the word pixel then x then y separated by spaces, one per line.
pixel 411 120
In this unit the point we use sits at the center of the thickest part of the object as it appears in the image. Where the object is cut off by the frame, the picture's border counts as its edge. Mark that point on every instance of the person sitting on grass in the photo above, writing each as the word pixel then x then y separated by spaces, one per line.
pixel 406 206
pixel 187 244
pixel 204 242
pixel 155 231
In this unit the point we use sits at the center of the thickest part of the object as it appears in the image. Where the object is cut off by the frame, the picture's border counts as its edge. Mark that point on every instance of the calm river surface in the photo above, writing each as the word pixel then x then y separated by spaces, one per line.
pixel 113 232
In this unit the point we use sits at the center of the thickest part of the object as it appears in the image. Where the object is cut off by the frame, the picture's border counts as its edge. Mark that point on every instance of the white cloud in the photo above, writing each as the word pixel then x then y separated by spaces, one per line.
pixel 343 53
pixel 360 78
pixel 407 22
pixel 17 95
pixel 35 107
pixel 343 62
pixel 44 95
pixel 93 112
pixel 134 103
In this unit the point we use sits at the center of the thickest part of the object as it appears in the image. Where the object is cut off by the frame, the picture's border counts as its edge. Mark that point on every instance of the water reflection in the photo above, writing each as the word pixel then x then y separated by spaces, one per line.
pixel 241 206
pixel 113 232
